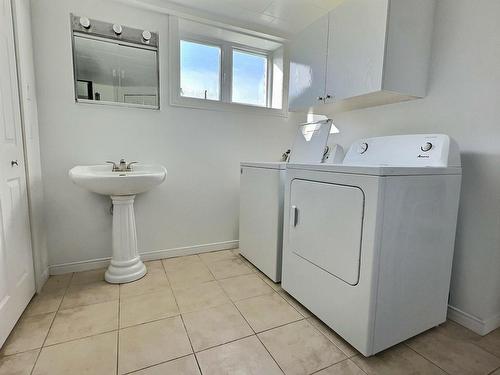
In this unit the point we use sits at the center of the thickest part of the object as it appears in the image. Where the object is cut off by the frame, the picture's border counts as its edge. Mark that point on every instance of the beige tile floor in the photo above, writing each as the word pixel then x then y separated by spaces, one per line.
pixel 212 313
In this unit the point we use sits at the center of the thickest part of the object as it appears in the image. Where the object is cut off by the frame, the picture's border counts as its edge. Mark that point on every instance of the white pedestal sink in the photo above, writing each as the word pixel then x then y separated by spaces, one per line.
pixel 122 187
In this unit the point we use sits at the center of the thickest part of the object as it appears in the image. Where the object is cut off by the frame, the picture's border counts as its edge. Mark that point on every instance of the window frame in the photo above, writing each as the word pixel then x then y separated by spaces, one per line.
pixel 225 103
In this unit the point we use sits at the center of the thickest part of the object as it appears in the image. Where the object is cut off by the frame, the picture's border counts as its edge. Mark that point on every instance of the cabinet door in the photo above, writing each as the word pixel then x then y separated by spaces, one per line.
pixel 356 48
pixel 308 66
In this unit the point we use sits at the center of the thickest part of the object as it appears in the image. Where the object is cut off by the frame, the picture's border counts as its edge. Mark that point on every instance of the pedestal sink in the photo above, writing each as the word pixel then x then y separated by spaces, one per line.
pixel 122 186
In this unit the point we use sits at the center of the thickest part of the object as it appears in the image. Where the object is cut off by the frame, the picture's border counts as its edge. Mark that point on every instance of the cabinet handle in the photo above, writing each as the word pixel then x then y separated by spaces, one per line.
pixel 14 162
pixel 328 96
pixel 295 215
pixel 320 98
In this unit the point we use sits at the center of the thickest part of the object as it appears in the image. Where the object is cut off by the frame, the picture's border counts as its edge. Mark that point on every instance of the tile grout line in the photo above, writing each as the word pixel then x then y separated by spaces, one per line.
pixel 52 323
pixel 224 343
pixel 336 363
pixel 486 350
pixel 267 350
pixel 157 364
pixel 91 303
pixel 258 338
pixel 118 333
pixel 236 307
pixel 182 319
pixel 233 256
pixel 317 329
pixel 261 276
pixel 304 318
pixel 274 291
pixel 255 333
pixel 424 357
pixel 78 338
pixel 156 320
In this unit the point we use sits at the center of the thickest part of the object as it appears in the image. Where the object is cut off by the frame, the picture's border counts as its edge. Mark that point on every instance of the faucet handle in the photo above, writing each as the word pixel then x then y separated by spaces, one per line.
pixel 115 167
pixel 129 165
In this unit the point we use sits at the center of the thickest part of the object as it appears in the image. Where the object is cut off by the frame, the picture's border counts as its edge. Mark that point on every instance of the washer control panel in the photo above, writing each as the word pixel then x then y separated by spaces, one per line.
pixel 414 150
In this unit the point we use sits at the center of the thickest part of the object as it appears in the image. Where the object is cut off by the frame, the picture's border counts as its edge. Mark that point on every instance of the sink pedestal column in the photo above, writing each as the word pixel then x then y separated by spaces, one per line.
pixel 126 264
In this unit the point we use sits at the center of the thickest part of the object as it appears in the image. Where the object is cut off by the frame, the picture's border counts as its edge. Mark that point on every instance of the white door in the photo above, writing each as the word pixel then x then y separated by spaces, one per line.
pixel 17 282
pixel 308 66
pixel 326 226
pixel 356 47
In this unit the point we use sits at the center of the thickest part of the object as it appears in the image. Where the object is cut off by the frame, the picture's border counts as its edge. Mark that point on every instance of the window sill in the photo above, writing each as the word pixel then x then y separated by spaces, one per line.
pixel 213 105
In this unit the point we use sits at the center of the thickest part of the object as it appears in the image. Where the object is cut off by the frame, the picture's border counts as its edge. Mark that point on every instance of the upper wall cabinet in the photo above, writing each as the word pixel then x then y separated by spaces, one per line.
pixel 364 53
pixel 308 65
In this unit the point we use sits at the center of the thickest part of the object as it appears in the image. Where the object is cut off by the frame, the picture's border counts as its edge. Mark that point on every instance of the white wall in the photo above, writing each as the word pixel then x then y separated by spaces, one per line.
pixel 26 75
pixel 463 101
pixel 198 204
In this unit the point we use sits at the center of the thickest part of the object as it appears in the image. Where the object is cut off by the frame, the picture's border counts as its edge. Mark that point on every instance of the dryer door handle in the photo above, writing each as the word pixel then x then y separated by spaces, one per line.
pixel 295 215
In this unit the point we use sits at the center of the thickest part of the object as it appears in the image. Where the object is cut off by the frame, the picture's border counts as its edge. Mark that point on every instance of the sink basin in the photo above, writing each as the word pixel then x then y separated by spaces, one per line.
pixel 125 265
pixel 101 180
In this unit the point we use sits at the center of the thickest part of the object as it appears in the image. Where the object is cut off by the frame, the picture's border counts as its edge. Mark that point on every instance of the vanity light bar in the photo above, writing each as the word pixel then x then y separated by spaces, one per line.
pixel 113 31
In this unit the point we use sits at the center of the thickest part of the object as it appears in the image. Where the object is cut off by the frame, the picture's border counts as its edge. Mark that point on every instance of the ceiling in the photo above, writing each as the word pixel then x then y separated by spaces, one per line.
pixel 278 17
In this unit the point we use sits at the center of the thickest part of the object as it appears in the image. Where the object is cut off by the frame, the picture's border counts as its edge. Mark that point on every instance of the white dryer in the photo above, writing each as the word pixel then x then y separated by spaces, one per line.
pixel 368 244
pixel 261 198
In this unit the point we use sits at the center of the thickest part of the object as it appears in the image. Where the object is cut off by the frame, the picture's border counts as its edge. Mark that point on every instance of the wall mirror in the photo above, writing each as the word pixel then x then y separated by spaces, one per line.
pixel 114 64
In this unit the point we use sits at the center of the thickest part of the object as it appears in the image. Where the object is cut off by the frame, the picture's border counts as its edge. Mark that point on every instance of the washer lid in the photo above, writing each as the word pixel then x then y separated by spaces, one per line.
pixel 310 142
pixel 266 165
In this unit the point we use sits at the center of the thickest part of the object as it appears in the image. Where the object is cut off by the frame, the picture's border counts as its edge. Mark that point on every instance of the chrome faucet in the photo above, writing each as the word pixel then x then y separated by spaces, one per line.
pixel 122 166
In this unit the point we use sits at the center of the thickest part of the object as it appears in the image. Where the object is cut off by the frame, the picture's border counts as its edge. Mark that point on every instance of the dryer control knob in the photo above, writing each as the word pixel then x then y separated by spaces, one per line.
pixel 426 147
pixel 363 147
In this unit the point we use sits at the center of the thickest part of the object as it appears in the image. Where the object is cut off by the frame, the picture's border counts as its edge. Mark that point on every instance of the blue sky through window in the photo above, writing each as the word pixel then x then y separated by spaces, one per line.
pixel 249 78
pixel 200 70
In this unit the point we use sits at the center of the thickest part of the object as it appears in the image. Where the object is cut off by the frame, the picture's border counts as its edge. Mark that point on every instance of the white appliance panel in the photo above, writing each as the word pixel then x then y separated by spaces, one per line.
pixel 261 218
pixel 326 226
pixel 407 238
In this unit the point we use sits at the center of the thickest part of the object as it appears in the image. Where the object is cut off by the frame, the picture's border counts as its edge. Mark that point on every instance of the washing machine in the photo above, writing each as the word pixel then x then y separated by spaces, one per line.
pixel 261 197
pixel 368 244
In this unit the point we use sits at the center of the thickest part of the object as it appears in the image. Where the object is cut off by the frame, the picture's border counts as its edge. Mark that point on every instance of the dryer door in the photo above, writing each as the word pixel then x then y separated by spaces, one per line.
pixel 326 224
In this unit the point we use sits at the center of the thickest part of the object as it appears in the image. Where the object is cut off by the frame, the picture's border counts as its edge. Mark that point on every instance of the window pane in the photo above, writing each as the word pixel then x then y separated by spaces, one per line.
pixel 200 71
pixel 249 78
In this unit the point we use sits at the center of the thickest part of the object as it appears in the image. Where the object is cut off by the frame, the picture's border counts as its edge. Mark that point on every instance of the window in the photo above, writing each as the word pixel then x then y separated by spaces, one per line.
pixel 222 69
pixel 249 78
pixel 200 70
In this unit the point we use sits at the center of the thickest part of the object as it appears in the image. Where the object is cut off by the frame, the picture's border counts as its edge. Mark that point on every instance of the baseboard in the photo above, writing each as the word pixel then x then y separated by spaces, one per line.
pixel 42 279
pixel 93 264
pixel 480 326
pixel 189 250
